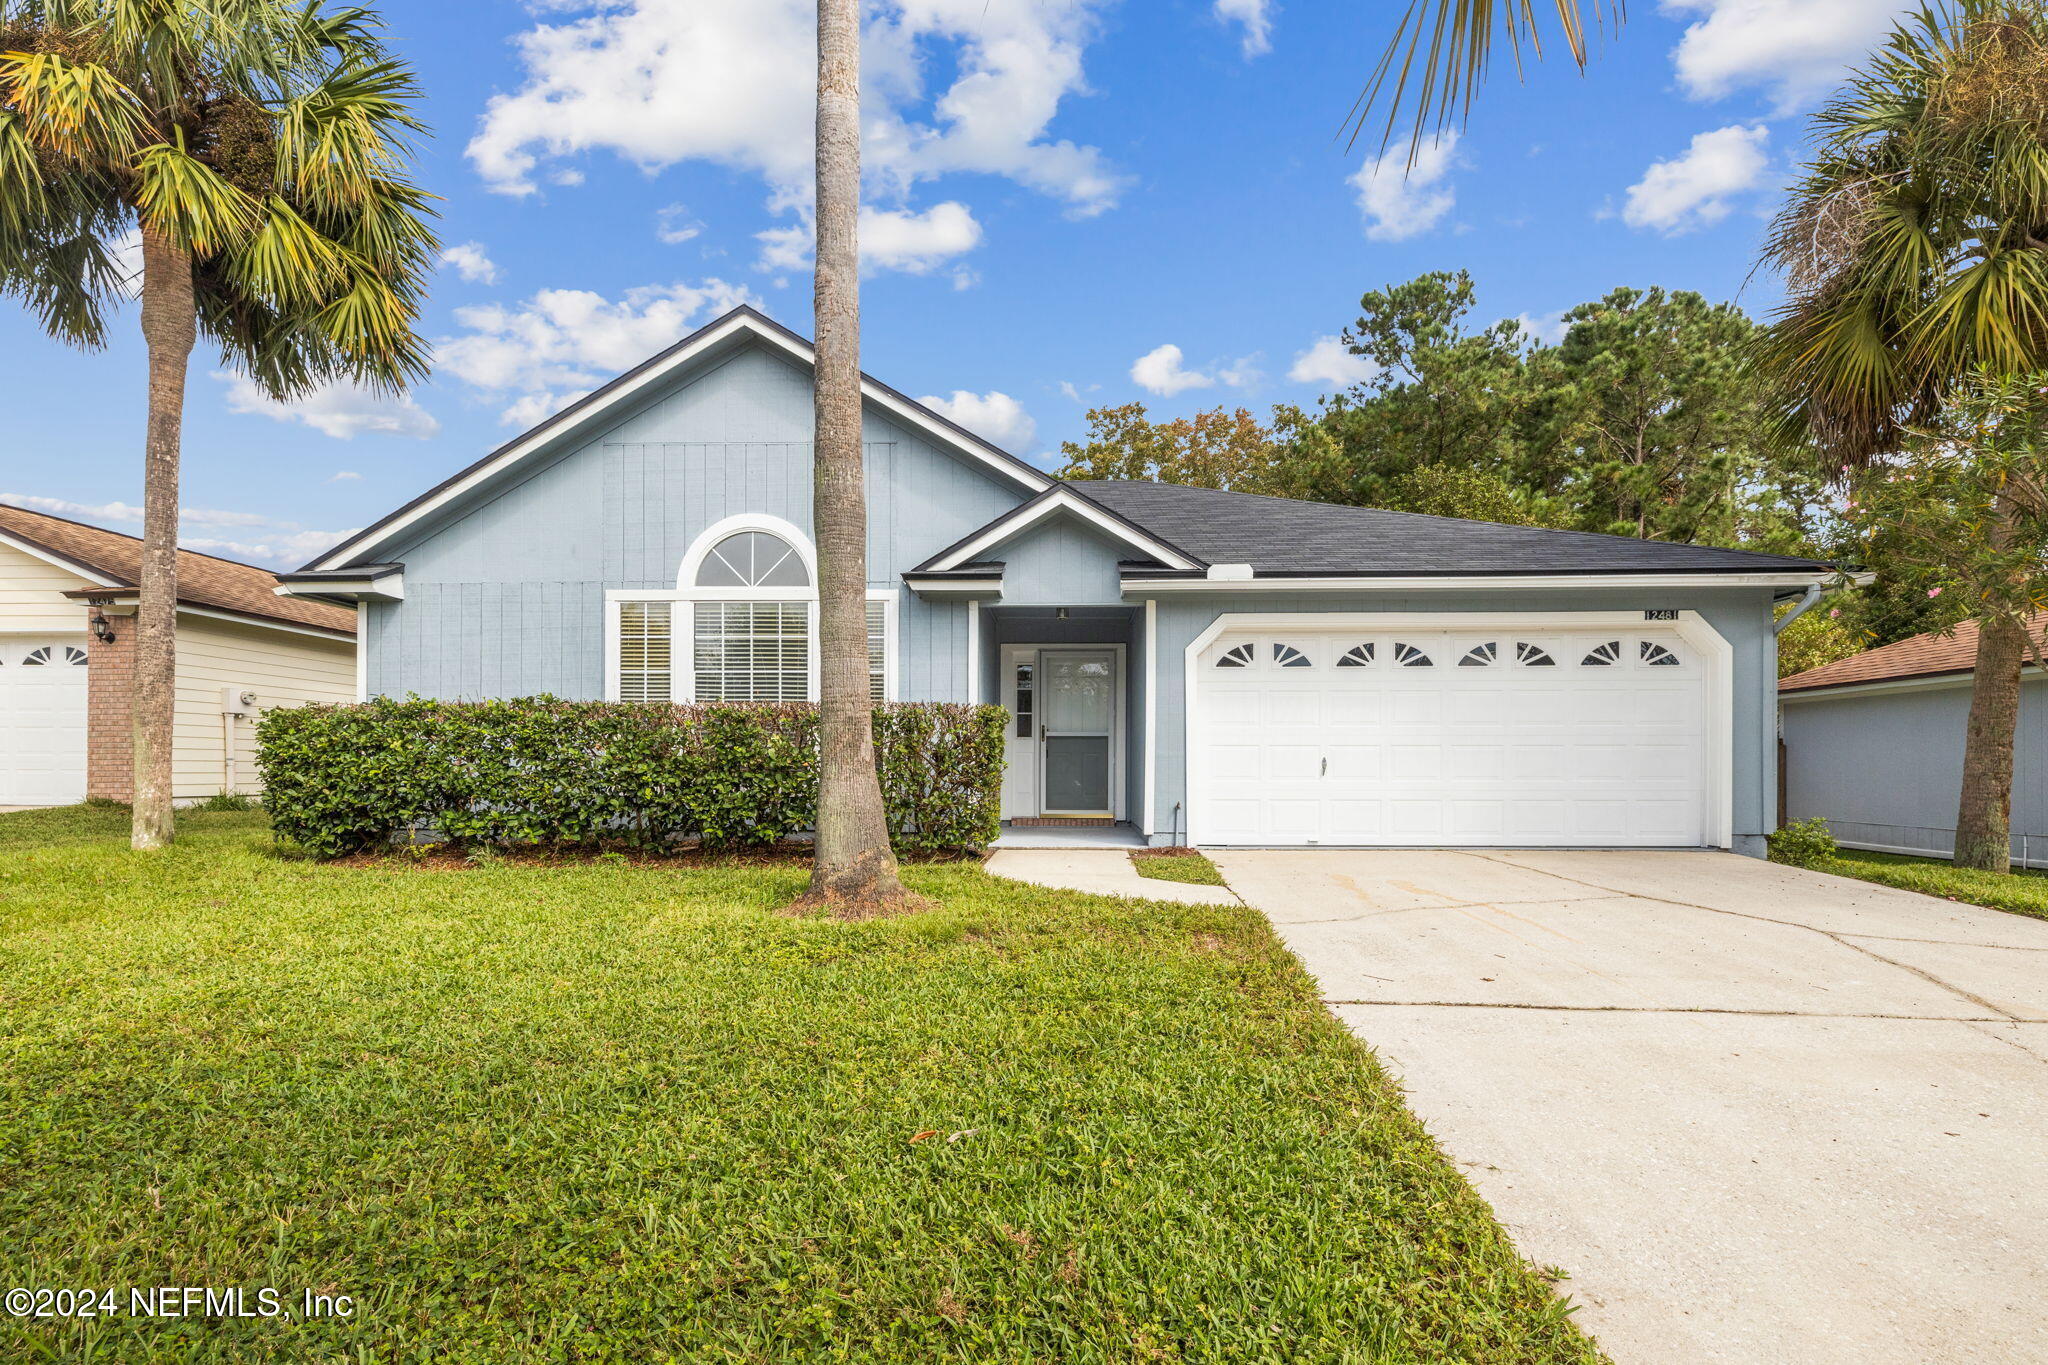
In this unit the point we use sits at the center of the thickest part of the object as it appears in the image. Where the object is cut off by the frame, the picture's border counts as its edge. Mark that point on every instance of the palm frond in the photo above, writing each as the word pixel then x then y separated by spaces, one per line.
pixel 1456 40
pixel 79 110
pixel 188 202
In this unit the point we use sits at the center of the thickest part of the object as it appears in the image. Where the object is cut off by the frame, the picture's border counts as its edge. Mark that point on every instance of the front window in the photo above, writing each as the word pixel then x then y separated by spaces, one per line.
pixel 738 628
pixel 753 651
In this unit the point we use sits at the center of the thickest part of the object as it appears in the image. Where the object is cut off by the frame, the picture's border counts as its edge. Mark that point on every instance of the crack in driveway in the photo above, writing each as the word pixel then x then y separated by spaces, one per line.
pixel 1679 1009
pixel 2002 1015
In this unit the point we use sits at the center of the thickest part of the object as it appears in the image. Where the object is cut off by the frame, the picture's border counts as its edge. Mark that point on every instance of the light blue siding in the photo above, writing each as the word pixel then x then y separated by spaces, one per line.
pixel 1886 768
pixel 1741 615
pixel 508 598
pixel 1062 563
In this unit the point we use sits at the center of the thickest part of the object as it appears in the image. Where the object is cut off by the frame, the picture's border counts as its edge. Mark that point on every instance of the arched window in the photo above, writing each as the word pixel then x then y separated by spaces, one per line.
pixel 740 624
pixel 753 559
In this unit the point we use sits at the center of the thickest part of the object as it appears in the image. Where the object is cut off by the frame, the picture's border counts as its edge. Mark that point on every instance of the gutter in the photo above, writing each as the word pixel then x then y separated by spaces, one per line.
pixel 1806 602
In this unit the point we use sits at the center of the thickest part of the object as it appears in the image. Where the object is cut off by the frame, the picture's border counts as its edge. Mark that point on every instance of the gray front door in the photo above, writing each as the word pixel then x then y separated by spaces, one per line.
pixel 1077 730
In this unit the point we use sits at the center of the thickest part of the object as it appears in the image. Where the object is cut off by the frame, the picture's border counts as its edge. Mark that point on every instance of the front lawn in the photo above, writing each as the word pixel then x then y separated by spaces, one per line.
pixel 627 1112
pixel 2022 893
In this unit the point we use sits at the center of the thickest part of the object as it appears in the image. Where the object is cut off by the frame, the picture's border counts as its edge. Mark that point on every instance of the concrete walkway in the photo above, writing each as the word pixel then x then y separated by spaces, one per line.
pixel 1099 871
pixel 1756 1114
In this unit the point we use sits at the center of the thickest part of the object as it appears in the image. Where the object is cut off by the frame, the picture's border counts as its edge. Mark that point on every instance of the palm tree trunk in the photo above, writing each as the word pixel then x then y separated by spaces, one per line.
pixel 853 871
pixel 1984 815
pixel 169 323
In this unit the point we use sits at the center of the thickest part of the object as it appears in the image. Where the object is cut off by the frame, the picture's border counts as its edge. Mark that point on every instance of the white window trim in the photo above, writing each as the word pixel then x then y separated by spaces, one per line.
pixel 708 540
pixel 683 679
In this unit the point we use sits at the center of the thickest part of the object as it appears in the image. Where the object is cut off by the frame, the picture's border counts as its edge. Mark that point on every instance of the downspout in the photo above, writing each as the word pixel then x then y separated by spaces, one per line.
pixel 1811 596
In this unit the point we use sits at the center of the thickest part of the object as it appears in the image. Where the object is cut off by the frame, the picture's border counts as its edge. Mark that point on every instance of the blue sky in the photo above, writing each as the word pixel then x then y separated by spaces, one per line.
pixel 1071 203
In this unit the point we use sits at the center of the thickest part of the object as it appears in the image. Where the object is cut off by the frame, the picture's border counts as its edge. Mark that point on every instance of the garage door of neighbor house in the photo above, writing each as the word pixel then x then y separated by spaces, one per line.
pixel 1516 736
pixel 42 722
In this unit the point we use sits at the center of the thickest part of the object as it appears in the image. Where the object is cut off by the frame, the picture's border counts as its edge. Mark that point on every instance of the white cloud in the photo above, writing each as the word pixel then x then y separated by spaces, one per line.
pixel 277 543
pixel 1330 362
pixel 890 239
pixel 1243 372
pixel 1548 328
pixel 993 415
pixel 471 262
pixel 1399 202
pixel 342 411
pixel 733 82
pixel 674 226
pixel 345 476
pixel 1257 18
pixel 542 353
pixel 1691 190
pixel 1160 371
pixel 1792 50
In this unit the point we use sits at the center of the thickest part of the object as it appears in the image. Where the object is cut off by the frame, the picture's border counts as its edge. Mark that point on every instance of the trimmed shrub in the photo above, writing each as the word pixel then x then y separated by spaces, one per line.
pixel 1804 843
pixel 542 772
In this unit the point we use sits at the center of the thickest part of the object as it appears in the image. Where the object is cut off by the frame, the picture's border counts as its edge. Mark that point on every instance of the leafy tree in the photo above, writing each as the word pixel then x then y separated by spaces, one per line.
pixel 1472 494
pixel 1966 504
pixel 259 146
pixel 1442 392
pixel 1912 254
pixel 1650 396
pixel 1214 449
pixel 853 867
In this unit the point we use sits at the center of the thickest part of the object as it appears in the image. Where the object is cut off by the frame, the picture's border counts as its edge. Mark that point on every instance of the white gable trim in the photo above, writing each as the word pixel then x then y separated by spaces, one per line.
pixel 93 577
pixel 636 382
pixel 1059 500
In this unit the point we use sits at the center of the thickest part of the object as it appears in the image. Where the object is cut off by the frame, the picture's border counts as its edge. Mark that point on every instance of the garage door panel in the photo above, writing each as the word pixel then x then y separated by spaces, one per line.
pixel 1525 744
pixel 1355 762
pixel 42 722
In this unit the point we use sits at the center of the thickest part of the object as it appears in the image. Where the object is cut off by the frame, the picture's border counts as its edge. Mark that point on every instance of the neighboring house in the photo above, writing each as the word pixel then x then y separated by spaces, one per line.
pixel 67 639
pixel 1874 743
pixel 1208 666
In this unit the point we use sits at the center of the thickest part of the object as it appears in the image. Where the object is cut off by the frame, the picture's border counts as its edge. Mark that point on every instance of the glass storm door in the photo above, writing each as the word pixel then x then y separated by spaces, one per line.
pixel 1077 730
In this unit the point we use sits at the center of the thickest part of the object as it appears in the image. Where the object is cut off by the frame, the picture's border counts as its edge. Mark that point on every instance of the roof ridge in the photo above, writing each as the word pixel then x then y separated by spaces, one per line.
pixel 108 530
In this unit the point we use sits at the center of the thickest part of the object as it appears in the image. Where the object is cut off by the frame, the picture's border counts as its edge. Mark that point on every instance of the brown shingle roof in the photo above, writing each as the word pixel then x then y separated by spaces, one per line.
pixel 1922 656
pixel 203 580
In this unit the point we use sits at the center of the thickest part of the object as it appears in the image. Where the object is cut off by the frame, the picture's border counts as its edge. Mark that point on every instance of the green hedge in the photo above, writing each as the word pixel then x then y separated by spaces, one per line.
pixel 542 771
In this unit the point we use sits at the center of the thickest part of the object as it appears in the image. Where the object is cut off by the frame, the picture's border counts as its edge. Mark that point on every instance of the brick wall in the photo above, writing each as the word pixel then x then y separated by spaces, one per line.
pixel 110 710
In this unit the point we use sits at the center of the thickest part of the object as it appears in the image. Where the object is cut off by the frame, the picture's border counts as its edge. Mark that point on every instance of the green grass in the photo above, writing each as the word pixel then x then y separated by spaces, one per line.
pixel 2022 893
pixel 1179 867
pixel 628 1112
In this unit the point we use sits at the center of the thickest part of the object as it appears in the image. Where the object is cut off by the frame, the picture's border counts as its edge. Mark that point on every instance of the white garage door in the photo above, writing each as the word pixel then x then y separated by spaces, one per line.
pixel 42 722
pixel 1585 737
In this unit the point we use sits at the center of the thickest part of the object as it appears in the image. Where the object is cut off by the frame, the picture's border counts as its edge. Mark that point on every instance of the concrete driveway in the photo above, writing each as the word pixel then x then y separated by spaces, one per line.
pixel 1756 1114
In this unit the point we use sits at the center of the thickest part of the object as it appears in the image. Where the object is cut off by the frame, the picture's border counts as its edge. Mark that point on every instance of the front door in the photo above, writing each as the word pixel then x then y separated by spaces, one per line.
pixel 1076 731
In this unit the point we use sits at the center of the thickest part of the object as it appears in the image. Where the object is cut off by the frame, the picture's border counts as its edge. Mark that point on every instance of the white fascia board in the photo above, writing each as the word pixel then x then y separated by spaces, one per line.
pixel 1470 582
pixel 93 577
pixel 710 338
pixel 947 585
pixel 1062 500
pixel 125 601
pixel 385 587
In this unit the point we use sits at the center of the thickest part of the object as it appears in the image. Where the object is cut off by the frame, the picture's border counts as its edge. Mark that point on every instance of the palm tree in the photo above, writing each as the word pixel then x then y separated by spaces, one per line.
pixel 258 148
pixel 1916 255
pixel 853 870
pixel 1455 39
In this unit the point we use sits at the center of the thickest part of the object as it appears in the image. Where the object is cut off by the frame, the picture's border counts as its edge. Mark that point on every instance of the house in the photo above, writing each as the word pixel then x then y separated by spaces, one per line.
pixel 1874 743
pixel 1200 665
pixel 67 604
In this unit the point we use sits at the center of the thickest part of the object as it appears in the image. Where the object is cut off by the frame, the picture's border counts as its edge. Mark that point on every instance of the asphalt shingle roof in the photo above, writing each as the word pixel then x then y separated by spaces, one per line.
pixel 1918 656
pixel 1281 536
pixel 203 580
